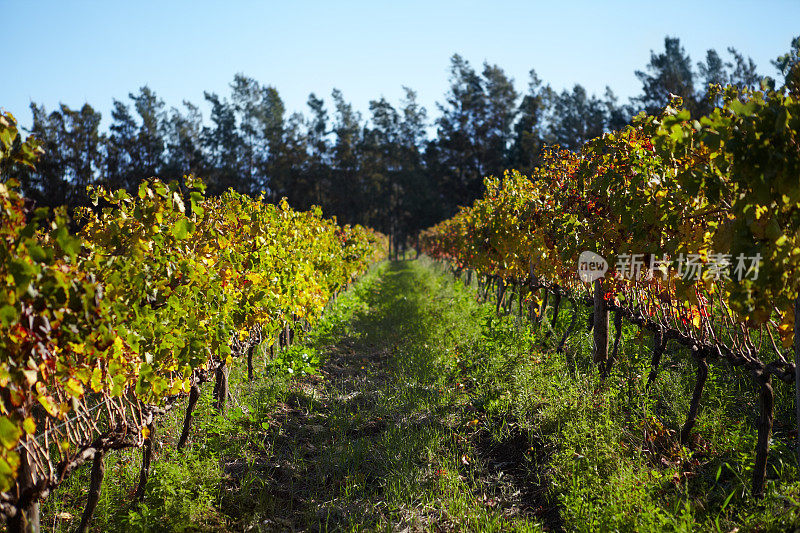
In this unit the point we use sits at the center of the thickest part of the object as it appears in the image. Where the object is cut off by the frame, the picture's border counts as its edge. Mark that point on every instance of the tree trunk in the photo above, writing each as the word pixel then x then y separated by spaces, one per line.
pixel 509 304
pixel 532 309
pixel 487 287
pixel 194 394
pixel 569 328
pixel 27 518
pixel 250 351
pixel 702 376
pixel 543 307
pixel 767 404
pixel 501 294
pixel 617 334
pixel 95 483
pixel 658 351
pixel 221 388
pixel 797 370
pixel 600 325
pixel 147 456
pixel 556 307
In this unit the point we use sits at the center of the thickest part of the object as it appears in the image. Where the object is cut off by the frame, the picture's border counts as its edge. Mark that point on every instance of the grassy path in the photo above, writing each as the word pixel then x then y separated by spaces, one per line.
pixel 386 437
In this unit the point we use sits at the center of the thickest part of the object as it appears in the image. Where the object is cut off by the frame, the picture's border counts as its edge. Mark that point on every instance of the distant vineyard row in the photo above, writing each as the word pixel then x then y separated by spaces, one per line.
pixel 721 191
pixel 101 330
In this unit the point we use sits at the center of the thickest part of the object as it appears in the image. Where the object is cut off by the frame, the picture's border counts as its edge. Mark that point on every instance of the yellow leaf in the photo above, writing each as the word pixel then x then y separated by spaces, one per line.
pixel 74 387
pixel 76 347
pixel 97 380
pixel 49 405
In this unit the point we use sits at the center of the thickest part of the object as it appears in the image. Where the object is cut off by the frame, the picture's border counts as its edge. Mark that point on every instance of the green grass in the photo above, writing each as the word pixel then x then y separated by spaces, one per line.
pixel 429 412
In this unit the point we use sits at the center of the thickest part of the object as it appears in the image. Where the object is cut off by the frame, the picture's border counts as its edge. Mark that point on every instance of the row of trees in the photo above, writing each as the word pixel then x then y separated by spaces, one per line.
pixel 384 171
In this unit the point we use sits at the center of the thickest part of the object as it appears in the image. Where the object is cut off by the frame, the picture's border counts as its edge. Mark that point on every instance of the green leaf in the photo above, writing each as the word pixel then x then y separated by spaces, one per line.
pixel 727 500
pixel 8 470
pixel 6 137
pixel 22 273
pixel 742 109
pixel 71 245
pixel 37 253
pixel 9 433
pixel 182 228
pixel 8 315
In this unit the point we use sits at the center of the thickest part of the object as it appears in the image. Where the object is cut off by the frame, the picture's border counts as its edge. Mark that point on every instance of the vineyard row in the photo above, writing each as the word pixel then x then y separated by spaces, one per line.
pixel 670 186
pixel 104 329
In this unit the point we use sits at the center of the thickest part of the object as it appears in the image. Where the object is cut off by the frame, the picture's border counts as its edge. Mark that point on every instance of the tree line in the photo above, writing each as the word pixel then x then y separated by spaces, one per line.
pixel 384 170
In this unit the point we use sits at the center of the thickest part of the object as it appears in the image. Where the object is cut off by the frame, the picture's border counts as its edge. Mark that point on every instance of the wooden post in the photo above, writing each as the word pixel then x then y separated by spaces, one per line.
pixel 767 405
pixel 600 325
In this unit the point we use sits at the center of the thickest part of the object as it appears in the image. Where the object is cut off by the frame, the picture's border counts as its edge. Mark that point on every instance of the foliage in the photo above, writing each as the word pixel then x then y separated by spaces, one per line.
pixel 665 187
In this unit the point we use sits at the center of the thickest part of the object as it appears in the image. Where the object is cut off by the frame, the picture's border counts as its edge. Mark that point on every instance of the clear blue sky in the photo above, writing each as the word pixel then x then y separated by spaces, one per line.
pixel 79 51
